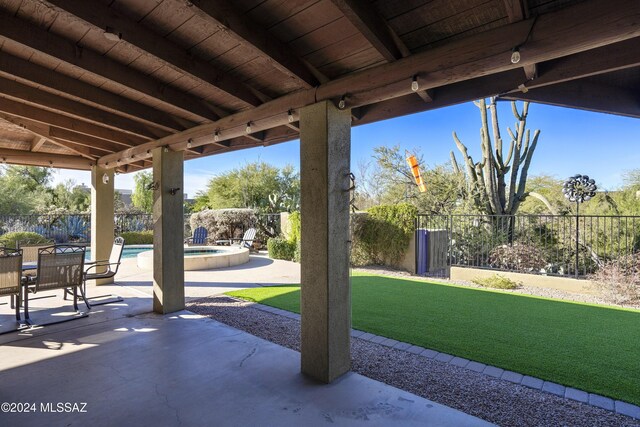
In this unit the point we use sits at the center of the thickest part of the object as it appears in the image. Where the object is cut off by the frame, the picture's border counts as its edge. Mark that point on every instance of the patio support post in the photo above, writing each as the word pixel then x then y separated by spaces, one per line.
pixel 325 145
pixel 168 231
pixel 102 224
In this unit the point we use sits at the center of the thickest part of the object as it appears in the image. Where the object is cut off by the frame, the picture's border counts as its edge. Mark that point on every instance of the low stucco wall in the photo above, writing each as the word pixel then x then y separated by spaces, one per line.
pixel 408 262
pixel 227 258
pixel 561 283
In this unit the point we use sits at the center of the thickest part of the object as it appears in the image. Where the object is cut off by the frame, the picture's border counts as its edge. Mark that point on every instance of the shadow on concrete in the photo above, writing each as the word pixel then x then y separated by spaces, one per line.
pixel 208 284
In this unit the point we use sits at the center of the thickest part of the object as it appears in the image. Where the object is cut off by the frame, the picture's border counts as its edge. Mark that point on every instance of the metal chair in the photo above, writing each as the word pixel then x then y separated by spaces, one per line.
pixel 105 270
pixel 30 253
pixel 11 276
pixel 59 267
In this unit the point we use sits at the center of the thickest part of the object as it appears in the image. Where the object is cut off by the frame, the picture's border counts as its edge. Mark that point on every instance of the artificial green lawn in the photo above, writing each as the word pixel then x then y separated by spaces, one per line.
pixel 590 347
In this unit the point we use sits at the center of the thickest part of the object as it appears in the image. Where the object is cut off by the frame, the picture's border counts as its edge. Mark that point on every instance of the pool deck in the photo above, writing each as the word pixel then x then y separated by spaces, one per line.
pixel 259 271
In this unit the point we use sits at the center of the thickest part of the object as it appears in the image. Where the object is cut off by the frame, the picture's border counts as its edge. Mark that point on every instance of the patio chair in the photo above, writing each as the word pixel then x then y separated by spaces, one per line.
pixel 199 237
pixel 245 242
pixel 106 269
pixel 11 276
pixel 59 267
pixel 30 254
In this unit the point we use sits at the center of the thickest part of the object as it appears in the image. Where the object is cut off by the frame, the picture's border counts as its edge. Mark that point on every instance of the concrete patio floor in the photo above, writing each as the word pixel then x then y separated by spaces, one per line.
pixel 133 367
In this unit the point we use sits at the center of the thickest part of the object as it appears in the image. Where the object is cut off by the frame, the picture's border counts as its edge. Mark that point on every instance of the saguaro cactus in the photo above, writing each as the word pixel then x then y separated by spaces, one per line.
pixel 497 182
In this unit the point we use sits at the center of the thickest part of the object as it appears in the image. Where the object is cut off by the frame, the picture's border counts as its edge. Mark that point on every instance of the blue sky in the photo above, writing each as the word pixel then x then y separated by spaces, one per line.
pixel 571 141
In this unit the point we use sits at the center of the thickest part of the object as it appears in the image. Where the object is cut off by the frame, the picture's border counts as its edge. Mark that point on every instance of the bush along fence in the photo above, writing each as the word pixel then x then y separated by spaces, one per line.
pixel 537 244
pixel 57 228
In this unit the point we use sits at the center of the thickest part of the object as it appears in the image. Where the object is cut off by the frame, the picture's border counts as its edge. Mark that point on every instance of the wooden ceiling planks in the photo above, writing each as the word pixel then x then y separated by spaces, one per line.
pixel 253 35
pixel 167 59
pixel 441 20
pixel 484 54
pixel 132 90
pixel 330 34
pixel 273 12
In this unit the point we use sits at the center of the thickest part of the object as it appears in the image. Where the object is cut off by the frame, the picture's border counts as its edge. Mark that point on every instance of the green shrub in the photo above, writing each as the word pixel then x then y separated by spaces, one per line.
pixel 384 234
pixel 12 240
pixel 294 223
pixel 296 253
pixel 137 237
pixel 280 248
pixel 496 281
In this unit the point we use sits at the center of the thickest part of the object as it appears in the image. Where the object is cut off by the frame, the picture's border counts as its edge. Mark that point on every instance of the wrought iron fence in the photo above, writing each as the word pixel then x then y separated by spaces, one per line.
pixel 76 227
pixel 143 222
pixel 539 244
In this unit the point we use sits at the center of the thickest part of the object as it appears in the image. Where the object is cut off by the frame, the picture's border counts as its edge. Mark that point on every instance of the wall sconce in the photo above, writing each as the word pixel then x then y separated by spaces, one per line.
pixel 105 178
pixel 173 191
pixel 152 186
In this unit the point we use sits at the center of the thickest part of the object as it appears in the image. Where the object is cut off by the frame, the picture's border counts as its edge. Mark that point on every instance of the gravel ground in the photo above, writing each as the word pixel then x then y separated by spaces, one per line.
pixel 522 289
pixel 494 400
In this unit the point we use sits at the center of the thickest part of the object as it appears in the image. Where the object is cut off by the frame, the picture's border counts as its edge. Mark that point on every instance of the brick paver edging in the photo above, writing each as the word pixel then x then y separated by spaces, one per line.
pixel 597 400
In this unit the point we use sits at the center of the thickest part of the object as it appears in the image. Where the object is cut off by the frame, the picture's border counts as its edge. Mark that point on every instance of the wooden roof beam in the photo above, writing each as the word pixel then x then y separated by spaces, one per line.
pixel 60 134
pixel 102 16
pixel 24 111
pixel 585 95
pixel 517 10
pixel 11 66
pixel 229 19
pixel 20 157
pixel 606 59
pixel 375 29
pixel 464 59
pixel 54 134
pixel 42 136
pixel 58 104
pixel 378 32
pixel 456 93
pixel 37 143
pixel 41 40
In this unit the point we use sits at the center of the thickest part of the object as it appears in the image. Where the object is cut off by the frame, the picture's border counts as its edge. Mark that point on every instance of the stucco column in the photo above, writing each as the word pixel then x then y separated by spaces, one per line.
pixel 102 224
pixel 325 142
pixel 168 231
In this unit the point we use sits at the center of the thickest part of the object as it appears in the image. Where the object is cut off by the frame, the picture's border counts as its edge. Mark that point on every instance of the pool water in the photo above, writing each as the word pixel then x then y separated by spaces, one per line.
pixel 201 252
pixel 126 252
pixel 133 252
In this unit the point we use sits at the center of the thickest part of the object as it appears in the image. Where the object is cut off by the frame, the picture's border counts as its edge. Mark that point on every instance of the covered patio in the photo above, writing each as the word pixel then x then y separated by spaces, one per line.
pixel 120 86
